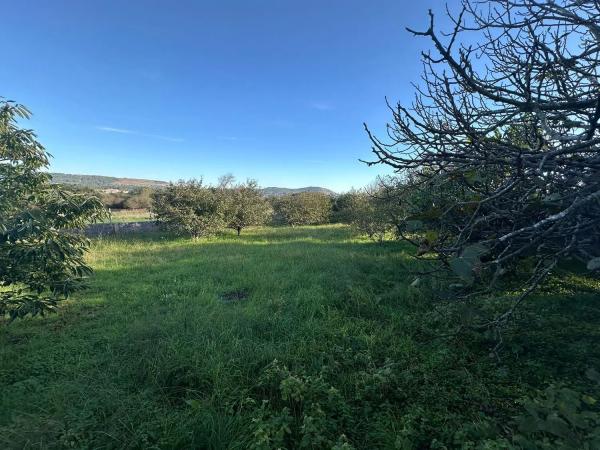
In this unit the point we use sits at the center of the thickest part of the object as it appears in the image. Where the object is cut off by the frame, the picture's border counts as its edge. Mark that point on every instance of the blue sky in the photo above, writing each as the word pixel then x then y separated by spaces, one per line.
pixel 274 90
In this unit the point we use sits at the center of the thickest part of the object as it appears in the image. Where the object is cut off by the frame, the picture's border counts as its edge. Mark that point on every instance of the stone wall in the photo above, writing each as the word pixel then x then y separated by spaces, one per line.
pixel 107 229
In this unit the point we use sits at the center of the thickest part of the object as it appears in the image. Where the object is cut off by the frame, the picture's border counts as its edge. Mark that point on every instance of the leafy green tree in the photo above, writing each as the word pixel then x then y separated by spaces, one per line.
pixel 369 214
pixel 247 206
pixel 305 208
pixel 189 207
pixel 41 256
pixel 113 200
pixel 341 209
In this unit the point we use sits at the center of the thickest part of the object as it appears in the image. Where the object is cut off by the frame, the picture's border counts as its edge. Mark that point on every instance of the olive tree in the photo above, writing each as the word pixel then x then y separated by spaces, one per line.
pixel 191 208
pixel 139 199
pixel 247 206
pixel 376 209
pixel 507 119
pixel 304 208
pixel 41 254
pixel 341 209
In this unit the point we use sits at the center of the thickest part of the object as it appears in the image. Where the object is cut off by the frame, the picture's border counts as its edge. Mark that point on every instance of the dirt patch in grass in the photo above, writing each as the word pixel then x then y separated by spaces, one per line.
pixel 234 296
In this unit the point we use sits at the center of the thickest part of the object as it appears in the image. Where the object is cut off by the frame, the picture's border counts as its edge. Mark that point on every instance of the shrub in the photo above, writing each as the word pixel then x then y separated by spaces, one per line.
pixel 140 199
pixel 341 210
pixel 305 208
pixel 191 208
pixel 369 215
pixel 247 206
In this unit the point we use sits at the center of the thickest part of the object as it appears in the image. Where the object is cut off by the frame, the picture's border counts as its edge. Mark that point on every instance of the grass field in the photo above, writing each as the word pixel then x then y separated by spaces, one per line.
pixel 284 337
pixel 129 215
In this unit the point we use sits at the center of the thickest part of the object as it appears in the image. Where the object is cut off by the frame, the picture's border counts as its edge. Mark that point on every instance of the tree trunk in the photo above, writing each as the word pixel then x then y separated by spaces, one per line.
pixel 239 230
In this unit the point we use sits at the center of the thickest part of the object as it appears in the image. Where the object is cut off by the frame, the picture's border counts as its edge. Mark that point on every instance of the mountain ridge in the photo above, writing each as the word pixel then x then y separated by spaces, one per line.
pixel 106 182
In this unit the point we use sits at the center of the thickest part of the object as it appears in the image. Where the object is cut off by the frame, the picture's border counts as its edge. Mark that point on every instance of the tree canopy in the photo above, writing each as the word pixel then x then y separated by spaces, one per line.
pixel 304 208
pixel 503 137
pixel 41 254
pixel 247 206
pixel 190 207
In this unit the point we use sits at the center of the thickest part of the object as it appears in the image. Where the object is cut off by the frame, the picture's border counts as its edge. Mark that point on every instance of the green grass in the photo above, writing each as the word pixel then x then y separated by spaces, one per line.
pixel 129 215
pixel 331 347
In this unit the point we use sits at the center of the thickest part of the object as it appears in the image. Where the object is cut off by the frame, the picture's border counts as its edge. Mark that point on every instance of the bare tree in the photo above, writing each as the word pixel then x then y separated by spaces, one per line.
pixel 509 124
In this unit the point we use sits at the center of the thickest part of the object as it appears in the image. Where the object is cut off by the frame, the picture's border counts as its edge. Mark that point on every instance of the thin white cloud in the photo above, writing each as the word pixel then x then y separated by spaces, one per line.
pixel 137 133
pixel 228 138
pixel 164 138
pixel 116 130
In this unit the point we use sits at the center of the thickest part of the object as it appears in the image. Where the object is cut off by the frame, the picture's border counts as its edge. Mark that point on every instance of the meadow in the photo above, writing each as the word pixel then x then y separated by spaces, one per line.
pixel 304 337
pixel 128 215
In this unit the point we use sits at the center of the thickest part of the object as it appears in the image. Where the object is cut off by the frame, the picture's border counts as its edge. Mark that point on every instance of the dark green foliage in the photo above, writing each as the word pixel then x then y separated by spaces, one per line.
pixel 139 199
pixel 41 255
pixel 341 210
pixel 246 206
pixel 375 210
pixel 305 208
pixel 191 208
pixel 560 417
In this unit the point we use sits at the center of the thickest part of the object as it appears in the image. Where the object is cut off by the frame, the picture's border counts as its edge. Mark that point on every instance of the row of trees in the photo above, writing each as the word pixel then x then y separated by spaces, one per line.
pixel 140 198
pixel 195 209
pixel 133 198
pixel 42 255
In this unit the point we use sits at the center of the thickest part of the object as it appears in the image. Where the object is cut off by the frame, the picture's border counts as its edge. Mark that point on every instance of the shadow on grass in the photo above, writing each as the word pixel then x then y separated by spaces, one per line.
pixel 151 351
pixel 324 233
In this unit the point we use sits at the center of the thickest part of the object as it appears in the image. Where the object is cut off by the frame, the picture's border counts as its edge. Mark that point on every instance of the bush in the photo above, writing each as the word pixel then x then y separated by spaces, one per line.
pixel 41 257
pixel 191 208
pixel 341 210
pixel 247 206
pixel 305 208
pixel 140 199
pixel 369 215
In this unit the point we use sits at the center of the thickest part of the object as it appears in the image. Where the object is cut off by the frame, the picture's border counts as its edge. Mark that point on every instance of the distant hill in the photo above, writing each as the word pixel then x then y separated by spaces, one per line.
pixel 102 182
pixel 278 191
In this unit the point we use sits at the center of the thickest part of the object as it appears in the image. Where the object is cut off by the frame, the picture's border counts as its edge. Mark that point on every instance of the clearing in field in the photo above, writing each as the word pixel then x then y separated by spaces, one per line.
pixel 283 337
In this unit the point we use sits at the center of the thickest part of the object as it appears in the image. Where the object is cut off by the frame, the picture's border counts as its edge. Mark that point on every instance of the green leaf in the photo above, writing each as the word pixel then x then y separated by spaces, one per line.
pixel 474 252
pixel 463 268
pixel 529 424
pixel 558 427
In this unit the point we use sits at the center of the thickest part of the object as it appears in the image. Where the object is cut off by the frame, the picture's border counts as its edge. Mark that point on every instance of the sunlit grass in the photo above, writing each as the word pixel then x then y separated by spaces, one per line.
pixel 128 215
